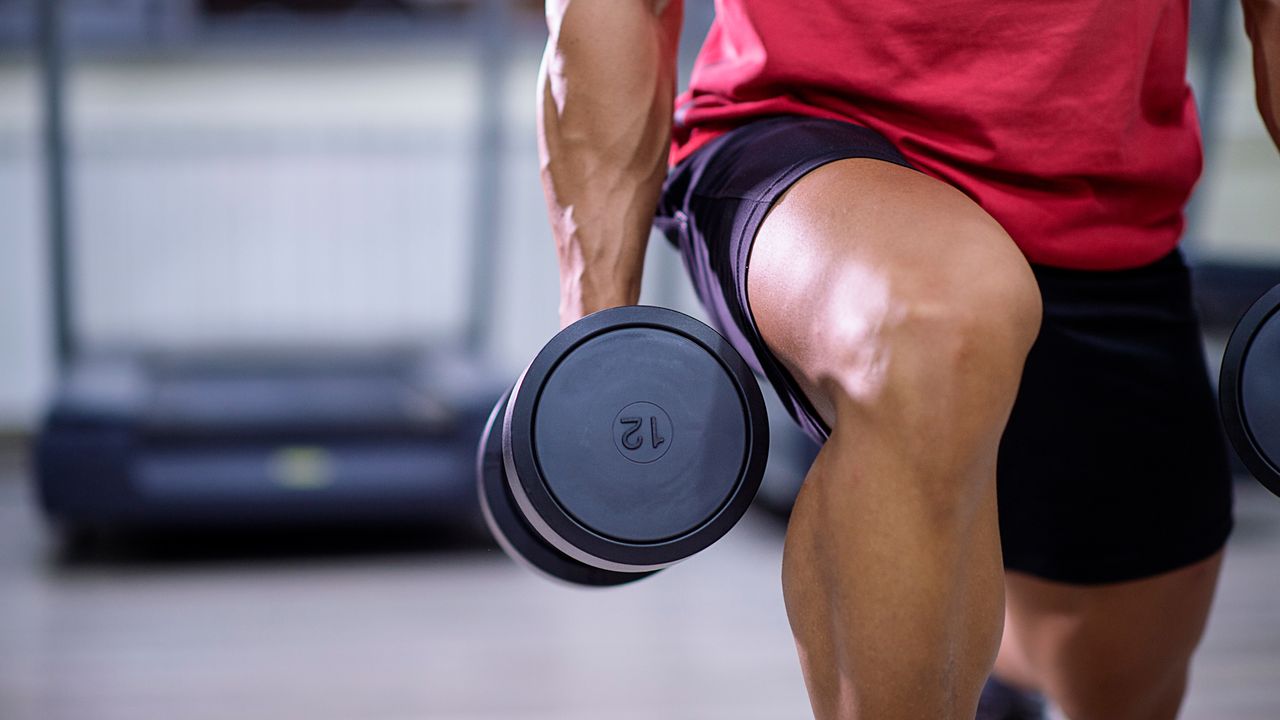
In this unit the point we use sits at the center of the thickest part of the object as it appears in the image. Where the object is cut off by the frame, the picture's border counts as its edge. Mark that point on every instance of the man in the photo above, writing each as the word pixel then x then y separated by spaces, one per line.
pixel 933 226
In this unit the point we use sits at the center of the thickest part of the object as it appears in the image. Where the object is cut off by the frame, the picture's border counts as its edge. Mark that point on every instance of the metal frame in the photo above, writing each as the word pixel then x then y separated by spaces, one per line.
pixel 51 32
pixel 1211 38
pixel 492 23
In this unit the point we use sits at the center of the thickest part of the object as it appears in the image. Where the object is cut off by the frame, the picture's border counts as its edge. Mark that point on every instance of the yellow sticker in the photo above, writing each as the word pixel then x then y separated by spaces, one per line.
pixel 302 467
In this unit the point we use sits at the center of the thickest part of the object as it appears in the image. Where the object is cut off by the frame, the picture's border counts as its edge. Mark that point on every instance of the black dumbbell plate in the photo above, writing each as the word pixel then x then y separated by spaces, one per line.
pixel 1249 389
pixel 638 436
pixel 513 533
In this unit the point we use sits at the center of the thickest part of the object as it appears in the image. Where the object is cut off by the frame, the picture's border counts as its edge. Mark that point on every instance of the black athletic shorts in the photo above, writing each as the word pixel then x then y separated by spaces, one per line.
pixel 1113 466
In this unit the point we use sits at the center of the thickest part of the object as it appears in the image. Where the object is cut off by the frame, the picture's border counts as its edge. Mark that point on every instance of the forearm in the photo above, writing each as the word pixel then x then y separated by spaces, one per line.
pixel 605 96
pixel 1262 22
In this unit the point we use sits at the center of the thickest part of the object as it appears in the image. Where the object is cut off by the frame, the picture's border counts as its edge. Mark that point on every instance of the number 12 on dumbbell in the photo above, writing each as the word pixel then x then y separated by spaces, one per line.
pixel 636 438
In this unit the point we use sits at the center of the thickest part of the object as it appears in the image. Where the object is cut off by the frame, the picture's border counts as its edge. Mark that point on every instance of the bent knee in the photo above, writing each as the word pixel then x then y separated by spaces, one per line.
pixel 941 345
pixel 882 288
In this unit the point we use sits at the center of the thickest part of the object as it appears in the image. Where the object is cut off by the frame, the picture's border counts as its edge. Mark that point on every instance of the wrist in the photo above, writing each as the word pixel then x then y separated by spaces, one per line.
pixel 579 298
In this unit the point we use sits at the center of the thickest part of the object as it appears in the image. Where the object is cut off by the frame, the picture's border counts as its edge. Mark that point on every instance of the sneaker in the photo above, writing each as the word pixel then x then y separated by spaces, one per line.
pixel 1005 702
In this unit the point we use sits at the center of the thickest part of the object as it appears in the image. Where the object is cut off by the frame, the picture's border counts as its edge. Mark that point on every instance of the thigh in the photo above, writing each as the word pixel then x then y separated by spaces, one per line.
pixel 1114 494
pixel 1116 651
pixel 1113 466
pixel 864 270
pixel 714 203
pixel 807 236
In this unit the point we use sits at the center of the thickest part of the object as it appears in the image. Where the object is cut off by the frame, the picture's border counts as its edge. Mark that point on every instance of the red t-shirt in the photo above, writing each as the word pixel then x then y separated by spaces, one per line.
pixel 1070 121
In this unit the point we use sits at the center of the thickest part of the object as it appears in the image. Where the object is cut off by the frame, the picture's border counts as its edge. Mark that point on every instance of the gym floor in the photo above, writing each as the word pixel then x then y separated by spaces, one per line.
pixel 380 626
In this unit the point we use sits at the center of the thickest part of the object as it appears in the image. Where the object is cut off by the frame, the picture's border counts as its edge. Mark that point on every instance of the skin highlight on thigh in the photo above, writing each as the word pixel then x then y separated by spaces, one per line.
pixel 902 234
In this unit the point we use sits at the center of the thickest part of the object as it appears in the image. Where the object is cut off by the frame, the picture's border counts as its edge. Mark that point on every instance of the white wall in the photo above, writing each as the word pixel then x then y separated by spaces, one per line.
pixel 24 356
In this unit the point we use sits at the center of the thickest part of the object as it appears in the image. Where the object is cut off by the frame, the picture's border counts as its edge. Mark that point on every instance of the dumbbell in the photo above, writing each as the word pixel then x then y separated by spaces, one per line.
pixel 1249 389
pixel 636 438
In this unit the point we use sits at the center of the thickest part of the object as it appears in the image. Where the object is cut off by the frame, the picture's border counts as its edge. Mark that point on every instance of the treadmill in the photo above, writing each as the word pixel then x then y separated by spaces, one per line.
pixel 138 438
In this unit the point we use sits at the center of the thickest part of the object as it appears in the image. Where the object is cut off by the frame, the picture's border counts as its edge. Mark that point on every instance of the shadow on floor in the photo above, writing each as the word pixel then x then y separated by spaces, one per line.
pixel 161 549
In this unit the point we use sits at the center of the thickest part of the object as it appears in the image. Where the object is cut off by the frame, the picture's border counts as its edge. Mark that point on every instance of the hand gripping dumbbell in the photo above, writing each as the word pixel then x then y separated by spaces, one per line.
pixel 1249 389
pixel 636 438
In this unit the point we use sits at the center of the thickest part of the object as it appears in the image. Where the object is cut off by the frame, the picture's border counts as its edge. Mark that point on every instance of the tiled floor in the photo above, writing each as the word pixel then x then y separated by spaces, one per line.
pixel 395 630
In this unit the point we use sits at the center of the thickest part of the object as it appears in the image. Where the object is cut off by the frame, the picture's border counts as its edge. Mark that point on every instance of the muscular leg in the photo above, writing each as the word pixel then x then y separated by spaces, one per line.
pixel 905 313
pixel 1108 652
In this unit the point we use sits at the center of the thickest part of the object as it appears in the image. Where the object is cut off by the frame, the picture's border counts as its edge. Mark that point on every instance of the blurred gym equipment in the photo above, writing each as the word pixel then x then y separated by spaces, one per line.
pixel 137 437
